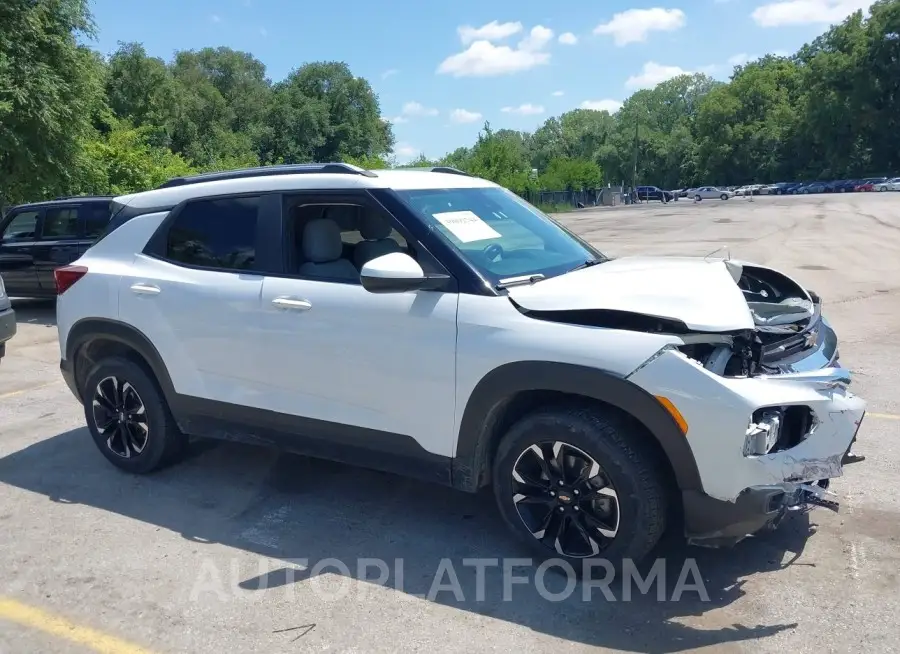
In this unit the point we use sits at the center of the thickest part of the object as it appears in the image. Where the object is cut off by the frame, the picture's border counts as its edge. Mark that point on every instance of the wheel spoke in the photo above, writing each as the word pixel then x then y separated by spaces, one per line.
pixel 120 416
pixel 561 523
pixel 595 548
pixel 604 528
pixel 101 398
pixel 542 461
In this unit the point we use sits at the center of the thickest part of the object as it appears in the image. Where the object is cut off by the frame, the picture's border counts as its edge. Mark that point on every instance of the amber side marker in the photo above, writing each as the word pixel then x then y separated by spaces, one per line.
pixel 674 412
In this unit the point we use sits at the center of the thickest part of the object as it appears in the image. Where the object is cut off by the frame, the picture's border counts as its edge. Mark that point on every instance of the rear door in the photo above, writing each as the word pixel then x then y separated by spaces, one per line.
pixel 194 291
pixel 60 242
pixel 18 236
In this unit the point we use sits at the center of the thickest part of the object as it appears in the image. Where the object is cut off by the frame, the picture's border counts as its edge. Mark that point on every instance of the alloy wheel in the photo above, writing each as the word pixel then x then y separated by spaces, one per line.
pixel 121 417
pixel 565 499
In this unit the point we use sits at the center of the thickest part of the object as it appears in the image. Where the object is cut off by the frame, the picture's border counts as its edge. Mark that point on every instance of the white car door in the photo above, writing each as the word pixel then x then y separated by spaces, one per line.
pixel 195 295
pixel 346 359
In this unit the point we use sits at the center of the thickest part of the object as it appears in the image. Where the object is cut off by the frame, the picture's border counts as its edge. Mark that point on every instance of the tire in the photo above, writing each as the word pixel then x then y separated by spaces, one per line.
pixel 634 497
pixel 697 197
pixel 724 196
pixel 883 188
pixel 154 440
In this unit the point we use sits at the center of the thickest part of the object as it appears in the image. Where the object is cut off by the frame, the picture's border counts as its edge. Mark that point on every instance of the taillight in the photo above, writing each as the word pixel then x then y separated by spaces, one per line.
pixel 66 276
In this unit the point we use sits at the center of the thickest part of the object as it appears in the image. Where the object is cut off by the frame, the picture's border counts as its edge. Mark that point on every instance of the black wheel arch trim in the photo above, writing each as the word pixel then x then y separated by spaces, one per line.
pixel 489 399
pixel 87 330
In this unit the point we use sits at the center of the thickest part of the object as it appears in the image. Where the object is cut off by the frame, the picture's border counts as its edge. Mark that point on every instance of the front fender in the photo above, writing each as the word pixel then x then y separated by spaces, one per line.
pixel 497 390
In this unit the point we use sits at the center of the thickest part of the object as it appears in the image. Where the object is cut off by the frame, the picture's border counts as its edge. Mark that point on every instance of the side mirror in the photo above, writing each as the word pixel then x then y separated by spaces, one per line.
pixel 392 273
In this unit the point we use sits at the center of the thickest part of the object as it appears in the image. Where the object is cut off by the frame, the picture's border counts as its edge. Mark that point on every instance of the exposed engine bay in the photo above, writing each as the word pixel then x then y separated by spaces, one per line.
pixel 788 321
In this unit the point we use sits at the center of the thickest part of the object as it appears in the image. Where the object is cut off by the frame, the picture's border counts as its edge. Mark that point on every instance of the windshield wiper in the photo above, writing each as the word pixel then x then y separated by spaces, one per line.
pixel 518 281
pixel 587 264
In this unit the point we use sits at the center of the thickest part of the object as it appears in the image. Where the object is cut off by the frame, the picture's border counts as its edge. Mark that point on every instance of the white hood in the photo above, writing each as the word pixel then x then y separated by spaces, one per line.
pixel 703 294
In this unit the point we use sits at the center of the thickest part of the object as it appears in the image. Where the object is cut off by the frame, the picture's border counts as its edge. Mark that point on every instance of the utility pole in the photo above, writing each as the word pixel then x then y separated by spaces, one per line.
pixel 634 168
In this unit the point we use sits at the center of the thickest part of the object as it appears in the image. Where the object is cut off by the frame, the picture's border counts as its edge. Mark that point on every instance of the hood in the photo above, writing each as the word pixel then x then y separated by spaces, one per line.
pixel 701 293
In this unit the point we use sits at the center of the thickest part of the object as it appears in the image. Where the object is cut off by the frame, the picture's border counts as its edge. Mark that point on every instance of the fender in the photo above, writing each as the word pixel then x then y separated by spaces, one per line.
pixel 87 330
pixel 493 393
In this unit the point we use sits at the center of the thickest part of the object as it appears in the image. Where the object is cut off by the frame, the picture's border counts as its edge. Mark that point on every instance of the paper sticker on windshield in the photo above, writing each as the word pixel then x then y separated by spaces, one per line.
pixel 466 226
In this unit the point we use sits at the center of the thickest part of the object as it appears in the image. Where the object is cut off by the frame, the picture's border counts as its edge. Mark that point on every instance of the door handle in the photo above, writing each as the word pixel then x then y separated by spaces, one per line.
pixel 292 303
pixel 145 289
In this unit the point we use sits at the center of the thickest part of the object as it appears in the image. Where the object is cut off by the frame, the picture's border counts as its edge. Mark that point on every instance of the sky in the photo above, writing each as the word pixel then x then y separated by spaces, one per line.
pixel 441 69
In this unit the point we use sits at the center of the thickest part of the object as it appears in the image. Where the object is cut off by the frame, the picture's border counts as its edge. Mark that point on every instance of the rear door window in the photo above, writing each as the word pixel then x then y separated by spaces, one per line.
pixel 217 233
pixel 60 223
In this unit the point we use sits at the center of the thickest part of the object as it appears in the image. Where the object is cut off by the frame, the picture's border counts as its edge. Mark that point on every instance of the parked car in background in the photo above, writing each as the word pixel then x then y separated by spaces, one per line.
pixel 39 237
pixel 711 193
pixel 646 193
pixel 845 185
pixel 777 189
pixel 7 320
pixel 864 186
pixel 892 184
pixel 815 187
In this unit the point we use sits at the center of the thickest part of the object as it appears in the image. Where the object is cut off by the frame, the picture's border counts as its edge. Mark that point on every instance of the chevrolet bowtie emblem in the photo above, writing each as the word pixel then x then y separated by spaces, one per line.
pixel 565 498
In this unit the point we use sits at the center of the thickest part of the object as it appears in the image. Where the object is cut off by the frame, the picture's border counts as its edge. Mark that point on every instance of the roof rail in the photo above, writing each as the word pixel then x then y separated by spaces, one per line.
pixel 440 169
pixel 82 197
pixel 264 171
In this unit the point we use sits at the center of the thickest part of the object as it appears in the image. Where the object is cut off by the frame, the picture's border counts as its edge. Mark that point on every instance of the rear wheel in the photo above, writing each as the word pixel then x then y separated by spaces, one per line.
pixel 724 196
pixel 128 417
pixel 577 484
pixel 697 197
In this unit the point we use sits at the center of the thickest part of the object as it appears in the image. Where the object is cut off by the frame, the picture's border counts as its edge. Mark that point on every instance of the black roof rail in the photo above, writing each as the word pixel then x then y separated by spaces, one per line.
pixel 440 169
pixel 81 197
pixel 264 171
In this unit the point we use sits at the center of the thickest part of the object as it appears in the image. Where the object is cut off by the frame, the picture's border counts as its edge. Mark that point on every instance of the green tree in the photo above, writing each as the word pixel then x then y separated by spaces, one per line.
pixel 50 90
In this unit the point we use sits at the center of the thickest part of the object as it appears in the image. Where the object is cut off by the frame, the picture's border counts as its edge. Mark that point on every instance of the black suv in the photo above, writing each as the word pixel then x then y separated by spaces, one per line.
pixel 39 237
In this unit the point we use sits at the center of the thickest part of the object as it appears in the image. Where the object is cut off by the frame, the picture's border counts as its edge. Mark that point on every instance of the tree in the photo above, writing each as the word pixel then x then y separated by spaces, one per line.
pixel 50 90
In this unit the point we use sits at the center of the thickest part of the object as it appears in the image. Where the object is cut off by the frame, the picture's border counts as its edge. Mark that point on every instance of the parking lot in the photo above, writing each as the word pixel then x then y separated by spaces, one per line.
pixel 219 553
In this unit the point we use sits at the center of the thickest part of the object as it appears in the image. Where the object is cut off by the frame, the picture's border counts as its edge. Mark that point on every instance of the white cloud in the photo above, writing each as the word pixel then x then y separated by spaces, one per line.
pixel 216 18
pixel 485 59
pixel 634 25
pixel 493 31
pixel 653 74
pixel 464 116
pixel 536 39
pixel 557 94
pixel 567 38
pixel 397 120
pixel 389 73
pixel 416 109
pixel 612 106
pixel 526 109
pixel 806 12
pixel 406 151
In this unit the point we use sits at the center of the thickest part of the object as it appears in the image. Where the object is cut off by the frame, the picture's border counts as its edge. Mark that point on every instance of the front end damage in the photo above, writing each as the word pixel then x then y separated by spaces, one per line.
pixel 768 412
pixel 770 416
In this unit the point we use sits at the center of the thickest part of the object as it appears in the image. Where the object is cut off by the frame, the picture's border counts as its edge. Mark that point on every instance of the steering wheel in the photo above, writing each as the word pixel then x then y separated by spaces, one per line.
pixel 492 251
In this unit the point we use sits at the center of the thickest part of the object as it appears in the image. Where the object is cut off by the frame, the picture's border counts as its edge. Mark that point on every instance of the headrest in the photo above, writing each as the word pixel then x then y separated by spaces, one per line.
pixel 373 227
pixel 322 241
pixel 345 215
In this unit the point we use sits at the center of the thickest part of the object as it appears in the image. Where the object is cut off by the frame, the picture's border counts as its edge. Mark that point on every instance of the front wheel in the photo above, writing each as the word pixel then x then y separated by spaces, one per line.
pixel 883 188
pixel 578 484
pixel 128 417
pixel 724 196
pixel 697 197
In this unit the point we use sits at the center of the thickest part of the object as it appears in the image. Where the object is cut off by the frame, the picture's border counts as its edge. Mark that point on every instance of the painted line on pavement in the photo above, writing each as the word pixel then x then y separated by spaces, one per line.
pixel 54 625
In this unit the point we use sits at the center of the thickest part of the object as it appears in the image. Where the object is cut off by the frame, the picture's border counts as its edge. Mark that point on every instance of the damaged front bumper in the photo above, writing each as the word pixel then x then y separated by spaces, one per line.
pixel 763 445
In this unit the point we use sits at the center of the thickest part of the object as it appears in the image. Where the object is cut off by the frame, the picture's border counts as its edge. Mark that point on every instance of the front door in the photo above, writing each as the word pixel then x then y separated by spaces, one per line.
pixel 17 244
pixel 362 367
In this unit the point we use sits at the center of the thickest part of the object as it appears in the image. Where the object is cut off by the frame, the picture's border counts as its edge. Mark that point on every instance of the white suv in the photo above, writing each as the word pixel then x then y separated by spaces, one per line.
pixel 433 324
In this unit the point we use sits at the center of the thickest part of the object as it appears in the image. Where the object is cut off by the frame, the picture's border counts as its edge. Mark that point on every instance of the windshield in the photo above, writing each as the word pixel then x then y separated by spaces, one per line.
pixel 499 233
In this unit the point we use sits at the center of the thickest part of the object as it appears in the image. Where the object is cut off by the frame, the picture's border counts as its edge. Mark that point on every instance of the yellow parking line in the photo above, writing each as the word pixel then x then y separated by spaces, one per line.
pixel 21 391
pixel 883 416
pixel 40 620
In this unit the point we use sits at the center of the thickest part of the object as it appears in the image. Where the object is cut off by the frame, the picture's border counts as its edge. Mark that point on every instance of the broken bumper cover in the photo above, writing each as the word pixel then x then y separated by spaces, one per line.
pixel 744 491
